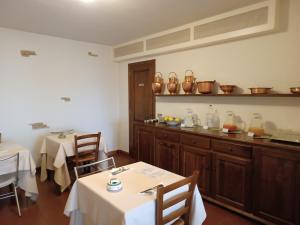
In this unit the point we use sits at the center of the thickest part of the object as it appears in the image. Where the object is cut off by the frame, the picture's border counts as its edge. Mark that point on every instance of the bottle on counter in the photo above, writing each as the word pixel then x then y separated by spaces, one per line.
pixel 216 120
pixel 209 117
pixel 212 120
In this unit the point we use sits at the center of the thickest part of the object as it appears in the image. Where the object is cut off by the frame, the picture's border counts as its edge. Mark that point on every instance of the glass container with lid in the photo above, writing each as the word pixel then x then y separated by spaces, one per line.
pixel 229 122
pixel 188 119
pixel 256 125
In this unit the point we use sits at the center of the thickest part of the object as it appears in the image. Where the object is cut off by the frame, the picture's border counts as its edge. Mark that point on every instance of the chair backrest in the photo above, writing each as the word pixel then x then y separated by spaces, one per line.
pixel 87 144
pixel 95 167
pixel 10 164
pixel 187 196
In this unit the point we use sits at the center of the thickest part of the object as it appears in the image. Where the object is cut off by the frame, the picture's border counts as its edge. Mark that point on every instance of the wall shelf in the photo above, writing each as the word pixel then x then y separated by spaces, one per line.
pixel 229 95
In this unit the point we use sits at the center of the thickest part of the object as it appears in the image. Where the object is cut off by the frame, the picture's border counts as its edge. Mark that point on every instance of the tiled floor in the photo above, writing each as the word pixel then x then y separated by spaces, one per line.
pixel 50 206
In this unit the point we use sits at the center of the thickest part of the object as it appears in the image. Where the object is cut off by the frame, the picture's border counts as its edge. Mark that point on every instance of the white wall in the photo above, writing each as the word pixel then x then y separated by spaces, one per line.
pixel 31 88
pixel 271 60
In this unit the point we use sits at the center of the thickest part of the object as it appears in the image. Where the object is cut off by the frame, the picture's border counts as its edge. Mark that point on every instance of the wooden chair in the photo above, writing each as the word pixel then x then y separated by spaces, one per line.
pixel 86 148
pixel 181 216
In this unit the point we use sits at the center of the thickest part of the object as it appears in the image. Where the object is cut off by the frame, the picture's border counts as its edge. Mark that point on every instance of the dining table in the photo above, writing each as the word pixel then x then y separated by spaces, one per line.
pixel 27 167
pixel 90 202
pixel 54 151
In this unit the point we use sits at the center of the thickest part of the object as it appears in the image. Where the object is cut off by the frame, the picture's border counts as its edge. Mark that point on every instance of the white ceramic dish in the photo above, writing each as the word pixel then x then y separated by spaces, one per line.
pixel 114 185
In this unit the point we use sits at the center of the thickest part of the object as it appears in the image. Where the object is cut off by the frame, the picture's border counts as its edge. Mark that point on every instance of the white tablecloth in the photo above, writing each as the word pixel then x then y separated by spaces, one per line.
pixel 27 167
pixel 89 202
pixel 54 151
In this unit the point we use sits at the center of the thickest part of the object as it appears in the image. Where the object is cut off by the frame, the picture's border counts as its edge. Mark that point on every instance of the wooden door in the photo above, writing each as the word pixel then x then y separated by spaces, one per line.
pixel 141 98
pixel 167 155
pixel 232 180
pixel 197 159
pixel 145 144
pixel 277 185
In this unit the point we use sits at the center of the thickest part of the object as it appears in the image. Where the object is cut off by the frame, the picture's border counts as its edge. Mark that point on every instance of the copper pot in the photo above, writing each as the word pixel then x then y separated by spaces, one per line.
pixel 173 88
pixel 295 90
pixel 157 88
pixel 227 89
pixel 205 87
pixel 188 87
pixel 260 90
pixel 173 85
pixel 158 83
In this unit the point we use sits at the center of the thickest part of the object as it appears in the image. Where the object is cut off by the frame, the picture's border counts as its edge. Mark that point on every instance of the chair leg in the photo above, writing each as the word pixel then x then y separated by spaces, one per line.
pixel 17 200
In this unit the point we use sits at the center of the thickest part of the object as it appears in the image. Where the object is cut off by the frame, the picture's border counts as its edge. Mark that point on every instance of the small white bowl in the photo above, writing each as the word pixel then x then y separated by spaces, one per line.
pixel 114 185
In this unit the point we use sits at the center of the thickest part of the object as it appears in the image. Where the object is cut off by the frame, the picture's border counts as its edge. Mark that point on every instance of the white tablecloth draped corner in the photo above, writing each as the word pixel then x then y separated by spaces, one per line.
pixel 27 168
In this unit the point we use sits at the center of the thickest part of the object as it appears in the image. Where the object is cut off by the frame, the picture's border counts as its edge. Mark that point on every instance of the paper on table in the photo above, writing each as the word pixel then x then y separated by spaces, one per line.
pixel 152 172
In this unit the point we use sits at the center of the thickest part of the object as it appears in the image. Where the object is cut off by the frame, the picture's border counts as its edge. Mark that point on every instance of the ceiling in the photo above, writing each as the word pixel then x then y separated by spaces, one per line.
pixel 108 22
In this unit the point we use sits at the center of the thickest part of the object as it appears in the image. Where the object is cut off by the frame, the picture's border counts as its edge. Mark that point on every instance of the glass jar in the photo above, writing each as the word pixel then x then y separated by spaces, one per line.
pixel 188 119
pixel 256 125
pixel 229 122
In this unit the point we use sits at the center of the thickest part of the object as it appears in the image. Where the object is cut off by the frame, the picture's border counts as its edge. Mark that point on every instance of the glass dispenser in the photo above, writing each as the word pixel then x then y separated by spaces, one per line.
pixel 188 119
pixel 256 125
pixel 229 122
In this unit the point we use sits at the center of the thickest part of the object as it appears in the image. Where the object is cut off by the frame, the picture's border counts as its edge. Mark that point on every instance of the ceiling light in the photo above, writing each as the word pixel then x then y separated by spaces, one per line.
pixel 87 1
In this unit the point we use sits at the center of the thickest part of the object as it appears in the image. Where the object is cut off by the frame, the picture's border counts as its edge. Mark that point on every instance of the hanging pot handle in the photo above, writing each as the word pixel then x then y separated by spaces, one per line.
pixel 170 74
pixel 158 74
pixel 190 72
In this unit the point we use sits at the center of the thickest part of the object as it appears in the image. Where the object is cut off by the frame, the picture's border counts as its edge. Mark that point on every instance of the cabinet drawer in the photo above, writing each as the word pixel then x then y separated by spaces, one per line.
pixel 168 136
pixel 196 141
pixel 232 149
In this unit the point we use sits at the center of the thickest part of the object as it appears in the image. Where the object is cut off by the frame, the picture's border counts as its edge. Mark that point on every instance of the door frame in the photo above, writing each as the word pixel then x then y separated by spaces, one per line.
pixel 151 65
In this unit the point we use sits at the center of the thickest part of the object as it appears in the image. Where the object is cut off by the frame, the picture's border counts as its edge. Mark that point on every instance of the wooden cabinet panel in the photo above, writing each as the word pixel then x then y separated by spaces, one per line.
pixel 276 196
pixel 167 155
pixel 197 159
pixel 232 148
pixel 145 144
pixel 168 136
pixel 196 141
pixel 232 180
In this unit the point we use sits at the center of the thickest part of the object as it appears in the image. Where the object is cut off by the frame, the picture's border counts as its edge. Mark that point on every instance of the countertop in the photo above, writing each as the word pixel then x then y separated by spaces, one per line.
pixel 242 138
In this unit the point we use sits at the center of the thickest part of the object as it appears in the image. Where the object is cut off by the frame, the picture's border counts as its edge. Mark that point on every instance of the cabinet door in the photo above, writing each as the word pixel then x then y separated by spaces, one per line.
pixel 145 144
pixel 197 159
pixel 167 155
pixel 277 185
pixel 232 180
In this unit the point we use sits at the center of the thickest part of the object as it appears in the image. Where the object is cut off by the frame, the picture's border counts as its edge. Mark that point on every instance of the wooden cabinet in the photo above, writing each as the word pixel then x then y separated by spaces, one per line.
pixel 277 185
pixel 262 180
pixel 197 159
pixel 167 152
pixel 144 144
pixel 232 180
